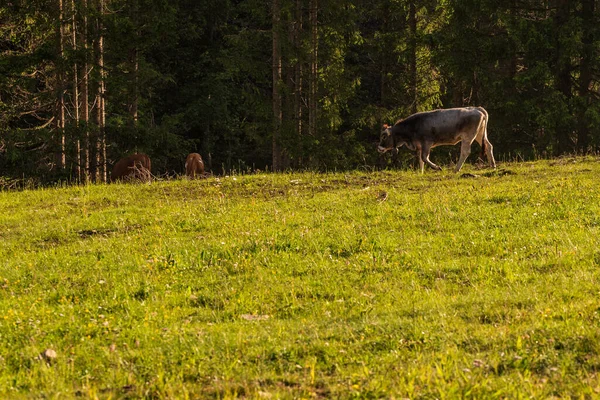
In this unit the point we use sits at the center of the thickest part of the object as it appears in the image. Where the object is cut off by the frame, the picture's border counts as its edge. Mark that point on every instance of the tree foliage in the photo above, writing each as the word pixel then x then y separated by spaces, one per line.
pixel 184 75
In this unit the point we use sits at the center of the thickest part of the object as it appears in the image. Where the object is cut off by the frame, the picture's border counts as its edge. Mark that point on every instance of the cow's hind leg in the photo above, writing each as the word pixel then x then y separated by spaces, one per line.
pixel 486 147
pixel 488 152
pixel 425 157
pixel 465 150
pixel 482 139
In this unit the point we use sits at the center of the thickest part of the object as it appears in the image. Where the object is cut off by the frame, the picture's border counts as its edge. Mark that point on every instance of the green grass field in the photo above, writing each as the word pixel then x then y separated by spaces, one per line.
pixel 364 284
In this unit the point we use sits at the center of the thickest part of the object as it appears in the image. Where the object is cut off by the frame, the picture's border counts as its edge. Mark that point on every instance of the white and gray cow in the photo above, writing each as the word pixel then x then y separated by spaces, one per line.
pixel 422 131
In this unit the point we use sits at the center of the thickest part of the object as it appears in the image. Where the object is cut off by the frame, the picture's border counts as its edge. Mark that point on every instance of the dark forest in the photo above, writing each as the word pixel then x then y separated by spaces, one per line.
pixel 285 84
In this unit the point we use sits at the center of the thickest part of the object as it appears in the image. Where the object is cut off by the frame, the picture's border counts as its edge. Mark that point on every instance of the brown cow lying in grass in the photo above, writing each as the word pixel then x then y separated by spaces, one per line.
pixel 135 167
pixel 194 166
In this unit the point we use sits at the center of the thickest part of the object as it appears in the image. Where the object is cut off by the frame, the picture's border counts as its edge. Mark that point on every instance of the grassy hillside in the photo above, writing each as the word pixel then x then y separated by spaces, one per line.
pixel 391 284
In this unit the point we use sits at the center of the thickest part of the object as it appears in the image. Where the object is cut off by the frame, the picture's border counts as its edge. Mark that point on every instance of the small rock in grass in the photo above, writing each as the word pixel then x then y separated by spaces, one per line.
pixel 382 196
pixel 48 355
pixel 250 317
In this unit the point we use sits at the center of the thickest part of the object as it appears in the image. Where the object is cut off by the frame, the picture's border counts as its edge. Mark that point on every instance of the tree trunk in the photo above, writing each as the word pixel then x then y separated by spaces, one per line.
pixel 60 121
pixel 136 68
pixel 313 81
pixel 298 81
pixel 385 27
pixel 585 74
pixel 136 78
pixel 100 106
pixel 85 107
pixel 412 44
pixel 277 115
pixel 76 110
pixel 207 147
pixel 563 75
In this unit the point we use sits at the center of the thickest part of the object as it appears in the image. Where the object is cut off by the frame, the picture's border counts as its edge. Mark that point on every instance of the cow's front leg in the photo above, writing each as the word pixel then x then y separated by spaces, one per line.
pixel 465 150
pixel 419 152
pixel 421 163
pixel 426 150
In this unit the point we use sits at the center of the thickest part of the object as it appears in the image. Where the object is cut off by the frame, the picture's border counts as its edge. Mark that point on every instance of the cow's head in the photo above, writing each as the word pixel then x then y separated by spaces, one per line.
pixel 386 139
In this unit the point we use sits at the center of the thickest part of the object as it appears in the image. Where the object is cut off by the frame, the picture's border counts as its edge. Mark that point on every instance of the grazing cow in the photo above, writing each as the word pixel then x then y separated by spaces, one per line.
pixel 133 167
pixel 194 165
pixel 422 131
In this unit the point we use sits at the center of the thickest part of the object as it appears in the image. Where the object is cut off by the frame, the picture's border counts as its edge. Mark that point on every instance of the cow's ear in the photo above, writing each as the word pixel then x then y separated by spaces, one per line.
pixel 385 126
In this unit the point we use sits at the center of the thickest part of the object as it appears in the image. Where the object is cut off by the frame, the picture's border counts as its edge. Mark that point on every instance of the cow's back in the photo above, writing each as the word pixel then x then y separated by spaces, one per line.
pixel 445 126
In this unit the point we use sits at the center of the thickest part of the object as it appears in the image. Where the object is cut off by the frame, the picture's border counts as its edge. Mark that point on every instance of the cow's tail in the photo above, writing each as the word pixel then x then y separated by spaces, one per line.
pixel 483 128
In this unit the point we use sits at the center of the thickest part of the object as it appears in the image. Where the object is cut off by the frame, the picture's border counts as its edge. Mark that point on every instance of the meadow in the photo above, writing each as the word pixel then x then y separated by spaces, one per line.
pixel 389 284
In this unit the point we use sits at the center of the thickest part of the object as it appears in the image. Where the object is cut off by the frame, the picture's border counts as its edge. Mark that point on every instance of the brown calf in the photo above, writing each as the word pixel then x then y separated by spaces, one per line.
pixel 133 167
pixel 194 166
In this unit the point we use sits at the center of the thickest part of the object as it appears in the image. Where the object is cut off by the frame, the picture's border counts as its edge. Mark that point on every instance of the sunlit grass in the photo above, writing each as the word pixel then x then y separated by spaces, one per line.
pixel 383 284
